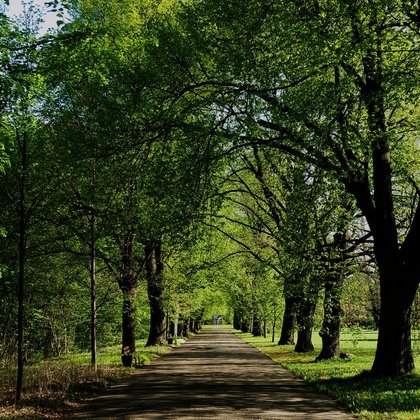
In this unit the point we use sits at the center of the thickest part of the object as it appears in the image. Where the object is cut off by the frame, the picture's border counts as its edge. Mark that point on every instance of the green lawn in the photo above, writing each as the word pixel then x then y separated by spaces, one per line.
pixel 54 387
pixel 343 379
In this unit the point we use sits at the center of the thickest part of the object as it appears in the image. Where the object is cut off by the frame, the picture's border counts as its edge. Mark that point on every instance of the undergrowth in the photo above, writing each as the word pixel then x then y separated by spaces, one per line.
pixel 55 387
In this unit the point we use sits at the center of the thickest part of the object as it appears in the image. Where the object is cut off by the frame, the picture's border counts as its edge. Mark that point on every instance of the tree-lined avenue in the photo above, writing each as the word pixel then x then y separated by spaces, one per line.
pixel 217 375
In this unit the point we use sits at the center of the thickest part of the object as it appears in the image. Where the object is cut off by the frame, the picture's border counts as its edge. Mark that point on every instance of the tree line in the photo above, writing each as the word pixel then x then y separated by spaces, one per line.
pixel 169 155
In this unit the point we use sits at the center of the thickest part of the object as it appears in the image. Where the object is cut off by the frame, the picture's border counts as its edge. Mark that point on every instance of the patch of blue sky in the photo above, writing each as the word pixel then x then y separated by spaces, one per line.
pixel 18 9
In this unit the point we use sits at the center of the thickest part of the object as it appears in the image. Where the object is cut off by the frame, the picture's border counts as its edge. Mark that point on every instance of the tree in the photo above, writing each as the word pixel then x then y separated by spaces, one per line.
pixel 114 106
pixel 338 102
pixel 22 127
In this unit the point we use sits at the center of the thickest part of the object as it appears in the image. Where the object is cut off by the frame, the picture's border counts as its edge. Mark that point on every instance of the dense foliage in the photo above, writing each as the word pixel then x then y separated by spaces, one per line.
pixel 167 163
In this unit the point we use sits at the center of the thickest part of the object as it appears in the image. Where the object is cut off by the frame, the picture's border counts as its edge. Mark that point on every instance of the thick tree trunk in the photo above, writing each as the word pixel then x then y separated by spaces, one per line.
pixel 155 288
pixel 128 284
pixel 129 327
pixel 245 325
pixel 289 322
pixel 257 329
pixel 304 340
pixel 305 324
pixel 398 267
pixel 180 332
pixel 330 331
pixel 236 320
pixel 394 354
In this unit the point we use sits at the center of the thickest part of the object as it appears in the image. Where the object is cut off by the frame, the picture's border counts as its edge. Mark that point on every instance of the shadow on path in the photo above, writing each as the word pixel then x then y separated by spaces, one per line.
pixel 217 375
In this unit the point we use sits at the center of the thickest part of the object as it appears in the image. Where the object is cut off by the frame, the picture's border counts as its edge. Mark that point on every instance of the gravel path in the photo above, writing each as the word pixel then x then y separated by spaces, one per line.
pixel 214 375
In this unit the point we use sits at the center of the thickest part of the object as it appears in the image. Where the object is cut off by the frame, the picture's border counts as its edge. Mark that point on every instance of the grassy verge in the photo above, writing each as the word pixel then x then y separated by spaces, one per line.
pixel 343 378
pixel 55 387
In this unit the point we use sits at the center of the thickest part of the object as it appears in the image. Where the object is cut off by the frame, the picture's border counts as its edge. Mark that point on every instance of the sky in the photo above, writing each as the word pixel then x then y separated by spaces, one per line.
pixel 16 9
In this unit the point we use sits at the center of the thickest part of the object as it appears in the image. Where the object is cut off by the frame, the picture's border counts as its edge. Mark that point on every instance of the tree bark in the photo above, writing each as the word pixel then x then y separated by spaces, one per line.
pixel 236 320
pixel 398 268
pixel 257 329
pixel 305 324
pixel 289 322
pixel 186 328
pixel 129 327
pixel 155 288
pixel 22 216
pixel 330 331
pixel 92 273
pixel 128 285
pixel 304 340
pixel 192 326
pixel 180 332
pixel 173 328
pixel 273 333
pixel 245 325
pixel 394 355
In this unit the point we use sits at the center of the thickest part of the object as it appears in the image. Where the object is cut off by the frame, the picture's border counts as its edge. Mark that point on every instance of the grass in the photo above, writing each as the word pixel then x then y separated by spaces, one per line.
pixel 57 386
pixel 344 379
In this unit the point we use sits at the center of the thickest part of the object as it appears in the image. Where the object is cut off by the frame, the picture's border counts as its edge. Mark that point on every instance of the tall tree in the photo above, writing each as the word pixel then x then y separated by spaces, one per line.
pixel 342 100
pixel 23 126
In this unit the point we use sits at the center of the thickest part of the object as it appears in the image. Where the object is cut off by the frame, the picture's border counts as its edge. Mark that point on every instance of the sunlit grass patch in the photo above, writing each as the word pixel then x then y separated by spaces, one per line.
pixel 344 379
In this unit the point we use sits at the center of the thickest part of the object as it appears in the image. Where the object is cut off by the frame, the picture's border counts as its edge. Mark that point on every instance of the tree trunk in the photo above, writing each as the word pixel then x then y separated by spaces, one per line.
pixel 22 260
pixel 176 322
pixel 245 325
pixel 155 288
pixel 175 326
pixel 128 285
pixel 305 323
pixel 394 355
pixel 273 335
pixel 236 320
pixel 186 328
pixel 398 266
pixel 289 322
pixel 330 331
pixel 92 273
pixel 180 332
pixel 257 330
pixel 129 327
pixel 304 340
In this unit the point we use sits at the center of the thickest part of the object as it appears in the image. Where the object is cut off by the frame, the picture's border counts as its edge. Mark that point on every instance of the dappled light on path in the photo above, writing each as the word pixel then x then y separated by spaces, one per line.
pixel 217 375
